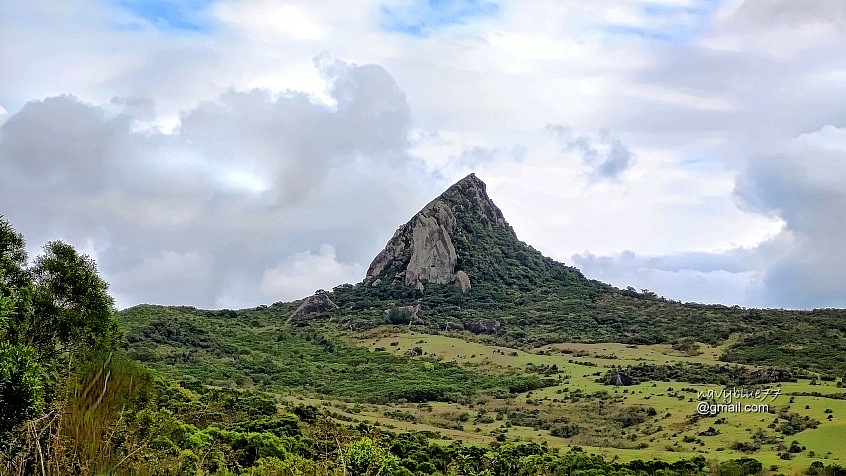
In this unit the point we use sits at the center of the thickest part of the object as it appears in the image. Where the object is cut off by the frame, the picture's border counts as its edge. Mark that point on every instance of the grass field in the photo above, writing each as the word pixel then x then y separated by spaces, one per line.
pixel 667 432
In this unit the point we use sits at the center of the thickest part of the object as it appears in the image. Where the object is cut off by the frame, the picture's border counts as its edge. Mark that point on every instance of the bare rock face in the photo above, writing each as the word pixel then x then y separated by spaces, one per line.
pixel 422 251
pixel 484 326
pixel 433 255
pixel 313 305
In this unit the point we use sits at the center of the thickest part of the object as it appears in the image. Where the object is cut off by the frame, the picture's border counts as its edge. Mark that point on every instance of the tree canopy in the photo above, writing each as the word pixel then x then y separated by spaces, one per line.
pixel 55 310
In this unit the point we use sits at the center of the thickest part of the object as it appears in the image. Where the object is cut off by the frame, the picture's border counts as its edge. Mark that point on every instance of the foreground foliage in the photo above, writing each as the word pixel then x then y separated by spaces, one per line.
pixel 121 419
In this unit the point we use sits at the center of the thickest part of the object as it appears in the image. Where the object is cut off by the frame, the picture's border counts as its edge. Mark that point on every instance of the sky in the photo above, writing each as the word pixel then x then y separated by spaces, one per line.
pixel 226 154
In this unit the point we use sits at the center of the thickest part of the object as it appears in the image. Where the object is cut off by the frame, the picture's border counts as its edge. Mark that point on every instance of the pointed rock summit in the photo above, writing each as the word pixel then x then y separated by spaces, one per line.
pixel 424 250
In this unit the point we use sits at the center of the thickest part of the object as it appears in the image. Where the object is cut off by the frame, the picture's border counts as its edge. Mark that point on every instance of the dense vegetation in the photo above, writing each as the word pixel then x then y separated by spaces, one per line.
pixel 54 315
pixel 145 425
pixel 725 375
pixel 254 348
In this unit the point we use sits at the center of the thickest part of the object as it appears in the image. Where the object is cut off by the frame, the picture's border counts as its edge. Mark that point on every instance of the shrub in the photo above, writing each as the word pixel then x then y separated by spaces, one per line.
pixel 21 386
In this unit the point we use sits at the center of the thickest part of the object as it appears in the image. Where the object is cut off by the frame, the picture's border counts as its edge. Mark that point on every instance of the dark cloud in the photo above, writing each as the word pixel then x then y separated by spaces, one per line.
pixel 803 185
pixel 244 183
pixel 606 156
pixel 767 13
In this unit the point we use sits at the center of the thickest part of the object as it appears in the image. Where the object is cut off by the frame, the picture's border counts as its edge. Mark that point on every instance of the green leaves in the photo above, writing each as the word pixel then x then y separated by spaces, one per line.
pixel 21 386
pixel 57 307
pixel 12 258
pixel 73 308
pixel 366 457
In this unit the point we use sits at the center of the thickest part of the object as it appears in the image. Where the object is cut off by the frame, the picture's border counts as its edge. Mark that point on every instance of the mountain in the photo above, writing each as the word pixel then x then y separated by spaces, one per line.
pixel 460 265
pixel 461 238
pixel 457 267
pixel 457 275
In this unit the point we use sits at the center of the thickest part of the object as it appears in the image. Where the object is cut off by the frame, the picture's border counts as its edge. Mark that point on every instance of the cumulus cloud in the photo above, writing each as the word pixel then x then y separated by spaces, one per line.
pixel 732 276
pixel 244 180
pixel 217 140
pixel 802 184
pixel 694 277
pixel 304 272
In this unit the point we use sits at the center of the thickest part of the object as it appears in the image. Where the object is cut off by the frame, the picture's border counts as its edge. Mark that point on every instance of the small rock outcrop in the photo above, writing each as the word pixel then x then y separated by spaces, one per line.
pixel 313 305
pixel 462 281
pixel 484 326
pixel 774 375
pixel 619 379
pixel 402 314
pixel 361 325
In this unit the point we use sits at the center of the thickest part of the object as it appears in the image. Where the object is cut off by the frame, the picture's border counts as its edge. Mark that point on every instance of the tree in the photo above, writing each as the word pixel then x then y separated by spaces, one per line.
pixel 73 312
pixel 57 308
pixel 12 259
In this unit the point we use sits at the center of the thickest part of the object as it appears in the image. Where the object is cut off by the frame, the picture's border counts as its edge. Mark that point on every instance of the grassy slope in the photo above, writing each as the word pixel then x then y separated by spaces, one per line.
pixel 828 437
pixel 255 349
pixel 222 348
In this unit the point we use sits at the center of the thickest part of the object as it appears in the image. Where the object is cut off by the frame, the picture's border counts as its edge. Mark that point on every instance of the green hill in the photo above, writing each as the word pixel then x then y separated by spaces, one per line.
pixel 537 300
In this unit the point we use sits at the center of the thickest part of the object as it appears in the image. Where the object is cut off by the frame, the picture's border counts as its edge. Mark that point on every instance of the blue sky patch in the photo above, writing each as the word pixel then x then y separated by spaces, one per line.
pixel 185 15
pixel 647 33
pixel 677 23
pixel 423 17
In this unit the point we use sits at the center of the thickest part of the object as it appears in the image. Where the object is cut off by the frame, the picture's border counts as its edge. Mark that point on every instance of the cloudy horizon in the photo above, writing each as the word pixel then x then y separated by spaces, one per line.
pixel 225 154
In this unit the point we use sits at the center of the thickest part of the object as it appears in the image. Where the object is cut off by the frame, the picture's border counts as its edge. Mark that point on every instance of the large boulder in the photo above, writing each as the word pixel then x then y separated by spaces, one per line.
pixel 774 375
pixel 313 305
pixel 484 326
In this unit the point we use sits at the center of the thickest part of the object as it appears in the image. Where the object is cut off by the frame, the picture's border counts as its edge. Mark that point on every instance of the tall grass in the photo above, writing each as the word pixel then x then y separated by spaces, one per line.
pixel 87 429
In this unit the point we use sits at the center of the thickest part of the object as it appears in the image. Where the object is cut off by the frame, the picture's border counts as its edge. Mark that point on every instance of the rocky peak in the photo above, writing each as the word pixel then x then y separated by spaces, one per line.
pixel 423 250
pixel 470 194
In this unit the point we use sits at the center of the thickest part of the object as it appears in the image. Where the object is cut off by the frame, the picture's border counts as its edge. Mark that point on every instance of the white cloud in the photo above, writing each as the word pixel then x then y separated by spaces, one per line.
pixel 268 21
pixel 305 272
pixel 249 177
pixel 802 183
pixel 242 181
